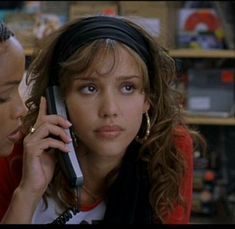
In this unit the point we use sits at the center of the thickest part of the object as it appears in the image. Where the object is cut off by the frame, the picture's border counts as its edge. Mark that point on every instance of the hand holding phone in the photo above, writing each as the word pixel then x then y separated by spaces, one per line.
pixel 68 161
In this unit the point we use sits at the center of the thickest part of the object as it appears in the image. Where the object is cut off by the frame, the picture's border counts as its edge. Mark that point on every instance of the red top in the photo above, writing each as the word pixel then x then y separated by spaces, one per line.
pixel 184 142
pixel 11 170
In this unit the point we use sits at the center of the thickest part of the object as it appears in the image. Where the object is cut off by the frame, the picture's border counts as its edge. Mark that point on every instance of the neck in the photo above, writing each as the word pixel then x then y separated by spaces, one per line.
pixel 101 166
pixel 94 197
pixel 88 198
pixel 95 183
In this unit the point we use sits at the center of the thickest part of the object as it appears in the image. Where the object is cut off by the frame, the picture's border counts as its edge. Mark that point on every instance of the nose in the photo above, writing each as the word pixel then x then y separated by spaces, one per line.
pixel 20 109
pixel 109 106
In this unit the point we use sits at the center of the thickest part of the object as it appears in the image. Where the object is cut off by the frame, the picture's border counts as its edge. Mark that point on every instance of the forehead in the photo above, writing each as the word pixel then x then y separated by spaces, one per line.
pixel 116 58
pixel 3 47
pixel 121 59
pixel 12 61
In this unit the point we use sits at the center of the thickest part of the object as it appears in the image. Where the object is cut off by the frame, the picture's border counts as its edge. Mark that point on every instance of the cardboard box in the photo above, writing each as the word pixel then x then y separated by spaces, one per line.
pixel 87 8
pixel 157 17
pixel 141 8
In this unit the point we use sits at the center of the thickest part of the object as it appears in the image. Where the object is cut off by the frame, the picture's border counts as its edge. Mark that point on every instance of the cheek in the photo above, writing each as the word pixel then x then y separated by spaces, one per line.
pixel 133 117
pixel 134 108
pixel 79 114
pixel 4 121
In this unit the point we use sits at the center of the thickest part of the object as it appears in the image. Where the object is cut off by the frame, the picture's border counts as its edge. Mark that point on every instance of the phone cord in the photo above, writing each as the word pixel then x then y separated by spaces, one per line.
pixel 65 216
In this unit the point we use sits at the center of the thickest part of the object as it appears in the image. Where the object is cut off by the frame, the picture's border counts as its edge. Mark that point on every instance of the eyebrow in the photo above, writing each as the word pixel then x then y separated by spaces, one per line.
pixel 130 77
pixel 119 78
pixel 9 83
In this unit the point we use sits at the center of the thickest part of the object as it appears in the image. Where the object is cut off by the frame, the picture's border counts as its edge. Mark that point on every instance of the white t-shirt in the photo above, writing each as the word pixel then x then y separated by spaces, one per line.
pixel 48 215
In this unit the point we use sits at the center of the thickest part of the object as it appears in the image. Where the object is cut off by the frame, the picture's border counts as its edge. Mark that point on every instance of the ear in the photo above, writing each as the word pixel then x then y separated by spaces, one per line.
pixel 146 106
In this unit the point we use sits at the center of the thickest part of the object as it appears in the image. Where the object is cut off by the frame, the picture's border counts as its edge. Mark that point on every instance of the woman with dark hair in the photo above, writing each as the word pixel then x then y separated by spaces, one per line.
pixel 133 146
pixel 12 108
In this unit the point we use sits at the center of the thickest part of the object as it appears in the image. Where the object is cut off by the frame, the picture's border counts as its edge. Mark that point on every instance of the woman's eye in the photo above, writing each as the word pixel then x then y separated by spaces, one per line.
pixel 88 89
pixel 4 100
pixel 128 89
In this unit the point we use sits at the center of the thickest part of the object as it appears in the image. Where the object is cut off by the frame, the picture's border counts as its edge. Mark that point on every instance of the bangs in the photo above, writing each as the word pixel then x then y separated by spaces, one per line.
pixel 88 60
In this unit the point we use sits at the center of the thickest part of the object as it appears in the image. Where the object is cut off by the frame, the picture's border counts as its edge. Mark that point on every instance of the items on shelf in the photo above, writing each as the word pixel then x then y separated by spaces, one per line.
pixel 203 187
pixel 200 29
pixel 210 92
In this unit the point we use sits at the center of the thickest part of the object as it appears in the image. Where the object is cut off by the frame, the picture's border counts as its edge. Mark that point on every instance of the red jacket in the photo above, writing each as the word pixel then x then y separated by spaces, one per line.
pixel 10 174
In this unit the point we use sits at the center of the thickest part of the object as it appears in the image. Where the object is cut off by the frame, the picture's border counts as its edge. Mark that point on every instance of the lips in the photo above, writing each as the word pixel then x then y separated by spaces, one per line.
pixel 109 132
pixel 15 136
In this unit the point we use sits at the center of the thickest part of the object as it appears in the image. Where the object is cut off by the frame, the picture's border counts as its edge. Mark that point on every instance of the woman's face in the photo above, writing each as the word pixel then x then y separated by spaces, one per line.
pixel 107 109
pixel 12 64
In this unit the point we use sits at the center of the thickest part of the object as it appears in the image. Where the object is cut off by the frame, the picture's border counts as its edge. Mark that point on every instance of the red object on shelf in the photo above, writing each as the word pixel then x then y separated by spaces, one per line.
pixel 202 17
pixel 227 76
pixel 209 176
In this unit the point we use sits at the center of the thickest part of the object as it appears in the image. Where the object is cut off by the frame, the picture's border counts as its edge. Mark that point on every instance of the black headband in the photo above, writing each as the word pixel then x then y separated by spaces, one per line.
pixel 98 27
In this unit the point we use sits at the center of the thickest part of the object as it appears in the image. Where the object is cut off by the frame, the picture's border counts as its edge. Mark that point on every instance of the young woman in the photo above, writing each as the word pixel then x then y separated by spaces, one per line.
pixel 12 108
pixel 134 149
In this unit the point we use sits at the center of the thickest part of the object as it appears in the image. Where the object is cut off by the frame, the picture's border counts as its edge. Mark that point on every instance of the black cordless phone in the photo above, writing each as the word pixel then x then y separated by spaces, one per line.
pixel 68 161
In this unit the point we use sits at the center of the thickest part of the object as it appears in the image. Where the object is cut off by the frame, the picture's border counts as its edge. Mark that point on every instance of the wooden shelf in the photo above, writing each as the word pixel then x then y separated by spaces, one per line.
pixel 199 53
pixel 185 53
pixel 199 120
pixel 28 51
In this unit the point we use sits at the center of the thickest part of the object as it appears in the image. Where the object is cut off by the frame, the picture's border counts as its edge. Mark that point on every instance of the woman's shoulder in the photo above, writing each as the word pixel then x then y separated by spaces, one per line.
pixel 11 165
pixel 10 174
pixel 181 131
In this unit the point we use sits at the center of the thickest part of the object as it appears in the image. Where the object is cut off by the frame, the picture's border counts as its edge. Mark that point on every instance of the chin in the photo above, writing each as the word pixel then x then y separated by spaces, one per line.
pixel 6 149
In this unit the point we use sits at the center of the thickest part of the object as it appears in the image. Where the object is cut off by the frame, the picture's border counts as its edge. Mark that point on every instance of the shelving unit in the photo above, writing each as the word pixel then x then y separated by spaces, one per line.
pixel 210 121
pixel 199 53
pixel 28 51
pixel 218 133
pixel 187 53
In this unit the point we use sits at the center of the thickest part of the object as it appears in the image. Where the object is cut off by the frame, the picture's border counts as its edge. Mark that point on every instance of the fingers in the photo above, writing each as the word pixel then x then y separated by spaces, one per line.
pixel 54 119
pixel 49 131
pixel 53 143
pixel 42 107
pixel 38 147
